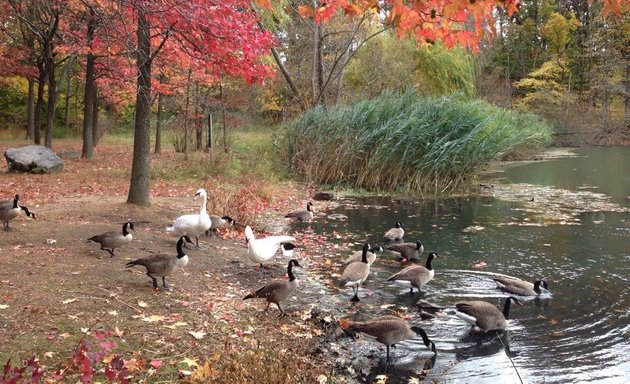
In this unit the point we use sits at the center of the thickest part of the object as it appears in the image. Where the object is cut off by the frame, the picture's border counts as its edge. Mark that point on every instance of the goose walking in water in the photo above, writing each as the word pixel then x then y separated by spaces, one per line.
pixel 415 276
pixel 519 287
pixel 193 224
pixel 485 315
pixel 408 251
pixel 396 233
pixel 389 330
pixel 356 273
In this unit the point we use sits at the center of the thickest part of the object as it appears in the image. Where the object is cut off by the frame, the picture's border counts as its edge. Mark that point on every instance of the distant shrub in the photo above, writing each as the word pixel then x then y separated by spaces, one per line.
pixel 407 142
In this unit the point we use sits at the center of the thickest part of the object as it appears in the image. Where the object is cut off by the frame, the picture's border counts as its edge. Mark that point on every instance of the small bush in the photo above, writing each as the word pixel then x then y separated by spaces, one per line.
pixel 407 142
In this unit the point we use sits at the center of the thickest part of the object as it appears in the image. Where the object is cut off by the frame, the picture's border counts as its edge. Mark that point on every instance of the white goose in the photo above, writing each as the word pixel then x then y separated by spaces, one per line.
pixel 261 250
pixel 193 225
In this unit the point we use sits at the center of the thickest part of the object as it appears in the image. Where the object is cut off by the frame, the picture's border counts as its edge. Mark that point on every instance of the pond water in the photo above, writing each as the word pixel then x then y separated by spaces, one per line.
pixel 545 227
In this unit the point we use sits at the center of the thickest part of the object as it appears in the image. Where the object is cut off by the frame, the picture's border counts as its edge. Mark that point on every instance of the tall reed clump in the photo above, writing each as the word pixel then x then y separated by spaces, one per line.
pixel 407 142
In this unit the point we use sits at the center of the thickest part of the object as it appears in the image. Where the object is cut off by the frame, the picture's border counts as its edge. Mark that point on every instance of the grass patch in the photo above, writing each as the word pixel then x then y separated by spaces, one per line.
pixel 404 142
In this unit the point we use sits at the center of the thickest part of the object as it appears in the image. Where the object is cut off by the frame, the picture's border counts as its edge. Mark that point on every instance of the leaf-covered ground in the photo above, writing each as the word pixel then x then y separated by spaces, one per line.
pixel 83 316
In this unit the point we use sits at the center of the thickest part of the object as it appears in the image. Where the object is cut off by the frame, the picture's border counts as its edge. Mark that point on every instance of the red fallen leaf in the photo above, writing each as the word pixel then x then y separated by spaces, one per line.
pixel 479 265
pixel 156 363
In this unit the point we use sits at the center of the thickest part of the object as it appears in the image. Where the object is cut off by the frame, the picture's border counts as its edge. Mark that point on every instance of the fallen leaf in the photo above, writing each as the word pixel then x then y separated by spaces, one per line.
pixel 85 330
pixel 154 318
pixel 3 306
pixel 68 301
pixel 322 379
pixel 156 363
pixel 381 379
pixel 49 354
pixel 189 362
pixel 142 304
pixel 51 241
pixel 175 325
pixel 113 313
pixel 197 335
pixel 117 332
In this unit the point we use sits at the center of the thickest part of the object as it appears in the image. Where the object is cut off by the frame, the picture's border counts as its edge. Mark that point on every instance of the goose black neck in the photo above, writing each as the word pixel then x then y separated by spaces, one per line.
pixel 364 254
pixel 15 201
pixel 125 230
pixel 506 308
pixel 308 207
pixel 537 286
pixel 290 271
pixel 429 259
pixel 180 250
pixel 424 336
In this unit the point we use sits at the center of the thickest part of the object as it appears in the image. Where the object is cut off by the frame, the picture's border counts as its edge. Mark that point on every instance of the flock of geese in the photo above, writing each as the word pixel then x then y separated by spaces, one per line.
pixel 388 330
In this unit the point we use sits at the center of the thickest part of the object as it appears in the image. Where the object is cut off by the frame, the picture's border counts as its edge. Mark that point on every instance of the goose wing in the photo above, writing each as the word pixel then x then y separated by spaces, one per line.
pixel 410 273
pixel 357 271
pixel 358 255
pixel 514 285
pixel 271 289
pixel 487 316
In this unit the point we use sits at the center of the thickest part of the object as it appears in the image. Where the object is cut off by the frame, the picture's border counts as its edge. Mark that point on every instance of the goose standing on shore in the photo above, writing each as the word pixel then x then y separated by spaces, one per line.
pixel 261 250
pixel 193 224
pixel 10 209
pixel 485 315
pixel 388 330
pixel 278 290
pixel 520 287
pixel 415 275
pixel 113 240
pixel 395 234
pixel 162 265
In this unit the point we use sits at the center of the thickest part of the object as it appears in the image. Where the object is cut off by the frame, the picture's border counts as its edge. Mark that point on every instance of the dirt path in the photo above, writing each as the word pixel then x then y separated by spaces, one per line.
pixel 57 291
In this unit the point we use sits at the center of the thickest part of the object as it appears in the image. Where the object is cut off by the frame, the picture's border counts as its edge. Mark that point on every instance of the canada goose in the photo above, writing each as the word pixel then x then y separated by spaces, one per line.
pixel 28 213
pixel 389 330
pixel 278 290
pixel 396 233
pixel 261 250
pixel 219 222
pixel 356 273
pixel 408 251
pixel 162 265
pixel 302 215
pixel 415 275
pixel 371 255
pixel 194 224
pixel 114 240
pixel 520 287
pixel 485 315
pixel 10 209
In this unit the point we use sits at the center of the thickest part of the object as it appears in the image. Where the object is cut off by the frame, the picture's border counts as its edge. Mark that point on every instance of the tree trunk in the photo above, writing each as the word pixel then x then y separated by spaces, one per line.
pixel 39 103
pixel 186 119
pixel 198 119
pixel 95 135
pixel 139 186
pixel 52 102
pixel 30 111
pixel 224 118
pixel 66 113
pixel 88 102
pixel 627 101
pixel 158 124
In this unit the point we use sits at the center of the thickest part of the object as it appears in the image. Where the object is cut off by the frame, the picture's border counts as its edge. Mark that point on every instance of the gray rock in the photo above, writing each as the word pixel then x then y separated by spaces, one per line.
pixel 324 196
pixel 33 159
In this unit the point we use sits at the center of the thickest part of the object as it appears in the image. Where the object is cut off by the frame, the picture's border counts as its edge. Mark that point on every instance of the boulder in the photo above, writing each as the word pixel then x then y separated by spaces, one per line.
pixel 323 196
pixel 33 159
